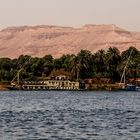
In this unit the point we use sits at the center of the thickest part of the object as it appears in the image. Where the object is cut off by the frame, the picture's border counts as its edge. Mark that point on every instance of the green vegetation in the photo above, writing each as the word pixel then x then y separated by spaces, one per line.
pixel 102 64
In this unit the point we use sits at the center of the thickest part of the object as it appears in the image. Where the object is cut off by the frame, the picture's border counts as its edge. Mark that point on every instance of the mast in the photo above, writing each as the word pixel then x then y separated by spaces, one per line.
pixel 18 78
pixel 124 77
pixel 18 73
pixel 124 71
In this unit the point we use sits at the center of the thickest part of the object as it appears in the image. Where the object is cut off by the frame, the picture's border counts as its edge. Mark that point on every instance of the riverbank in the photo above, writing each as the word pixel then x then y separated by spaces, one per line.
pixel 4 85
pixel 107 87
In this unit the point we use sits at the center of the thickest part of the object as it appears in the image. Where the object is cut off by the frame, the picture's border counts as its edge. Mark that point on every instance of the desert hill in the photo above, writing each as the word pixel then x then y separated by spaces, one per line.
pixel 55 40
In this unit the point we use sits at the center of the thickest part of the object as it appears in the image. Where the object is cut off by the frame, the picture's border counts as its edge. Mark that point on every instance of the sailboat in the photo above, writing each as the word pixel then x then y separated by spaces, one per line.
pixel 123 84
pixel 15 85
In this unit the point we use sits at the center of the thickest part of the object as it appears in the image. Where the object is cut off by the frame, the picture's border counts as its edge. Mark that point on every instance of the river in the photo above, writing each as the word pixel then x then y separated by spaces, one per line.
pixel 69 115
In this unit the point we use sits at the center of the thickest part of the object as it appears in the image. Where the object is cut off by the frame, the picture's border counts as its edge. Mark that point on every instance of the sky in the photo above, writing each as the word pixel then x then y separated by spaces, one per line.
pixel 74 13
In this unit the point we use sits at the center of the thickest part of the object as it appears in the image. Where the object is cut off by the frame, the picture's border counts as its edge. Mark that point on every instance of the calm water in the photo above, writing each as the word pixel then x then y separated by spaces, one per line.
pixel 55 115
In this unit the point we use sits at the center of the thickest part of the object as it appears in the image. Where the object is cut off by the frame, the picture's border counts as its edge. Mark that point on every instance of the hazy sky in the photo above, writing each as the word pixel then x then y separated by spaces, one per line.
pixel 123 13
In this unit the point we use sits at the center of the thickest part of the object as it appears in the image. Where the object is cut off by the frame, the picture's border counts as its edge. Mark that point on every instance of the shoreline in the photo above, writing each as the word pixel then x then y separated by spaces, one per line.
pixel 3 87
pixel 93 87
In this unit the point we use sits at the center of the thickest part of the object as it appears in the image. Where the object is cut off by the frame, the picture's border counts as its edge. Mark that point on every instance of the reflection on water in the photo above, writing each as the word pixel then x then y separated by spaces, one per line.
pixel 70 115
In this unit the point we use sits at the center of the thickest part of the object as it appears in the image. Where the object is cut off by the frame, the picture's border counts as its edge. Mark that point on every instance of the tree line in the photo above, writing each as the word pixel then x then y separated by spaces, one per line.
pixel 105 64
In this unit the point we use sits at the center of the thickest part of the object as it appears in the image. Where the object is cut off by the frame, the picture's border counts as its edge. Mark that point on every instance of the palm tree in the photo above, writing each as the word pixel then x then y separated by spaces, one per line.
pixel 113 61
pixel 100 61
pixel 75 68
pixel 81 64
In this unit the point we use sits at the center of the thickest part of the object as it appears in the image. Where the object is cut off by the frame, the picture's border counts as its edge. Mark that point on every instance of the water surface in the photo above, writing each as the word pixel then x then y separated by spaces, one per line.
pixel 69 115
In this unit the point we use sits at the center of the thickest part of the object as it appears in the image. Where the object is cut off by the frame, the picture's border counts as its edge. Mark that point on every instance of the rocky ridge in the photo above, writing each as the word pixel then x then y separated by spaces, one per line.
pixel 55 40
